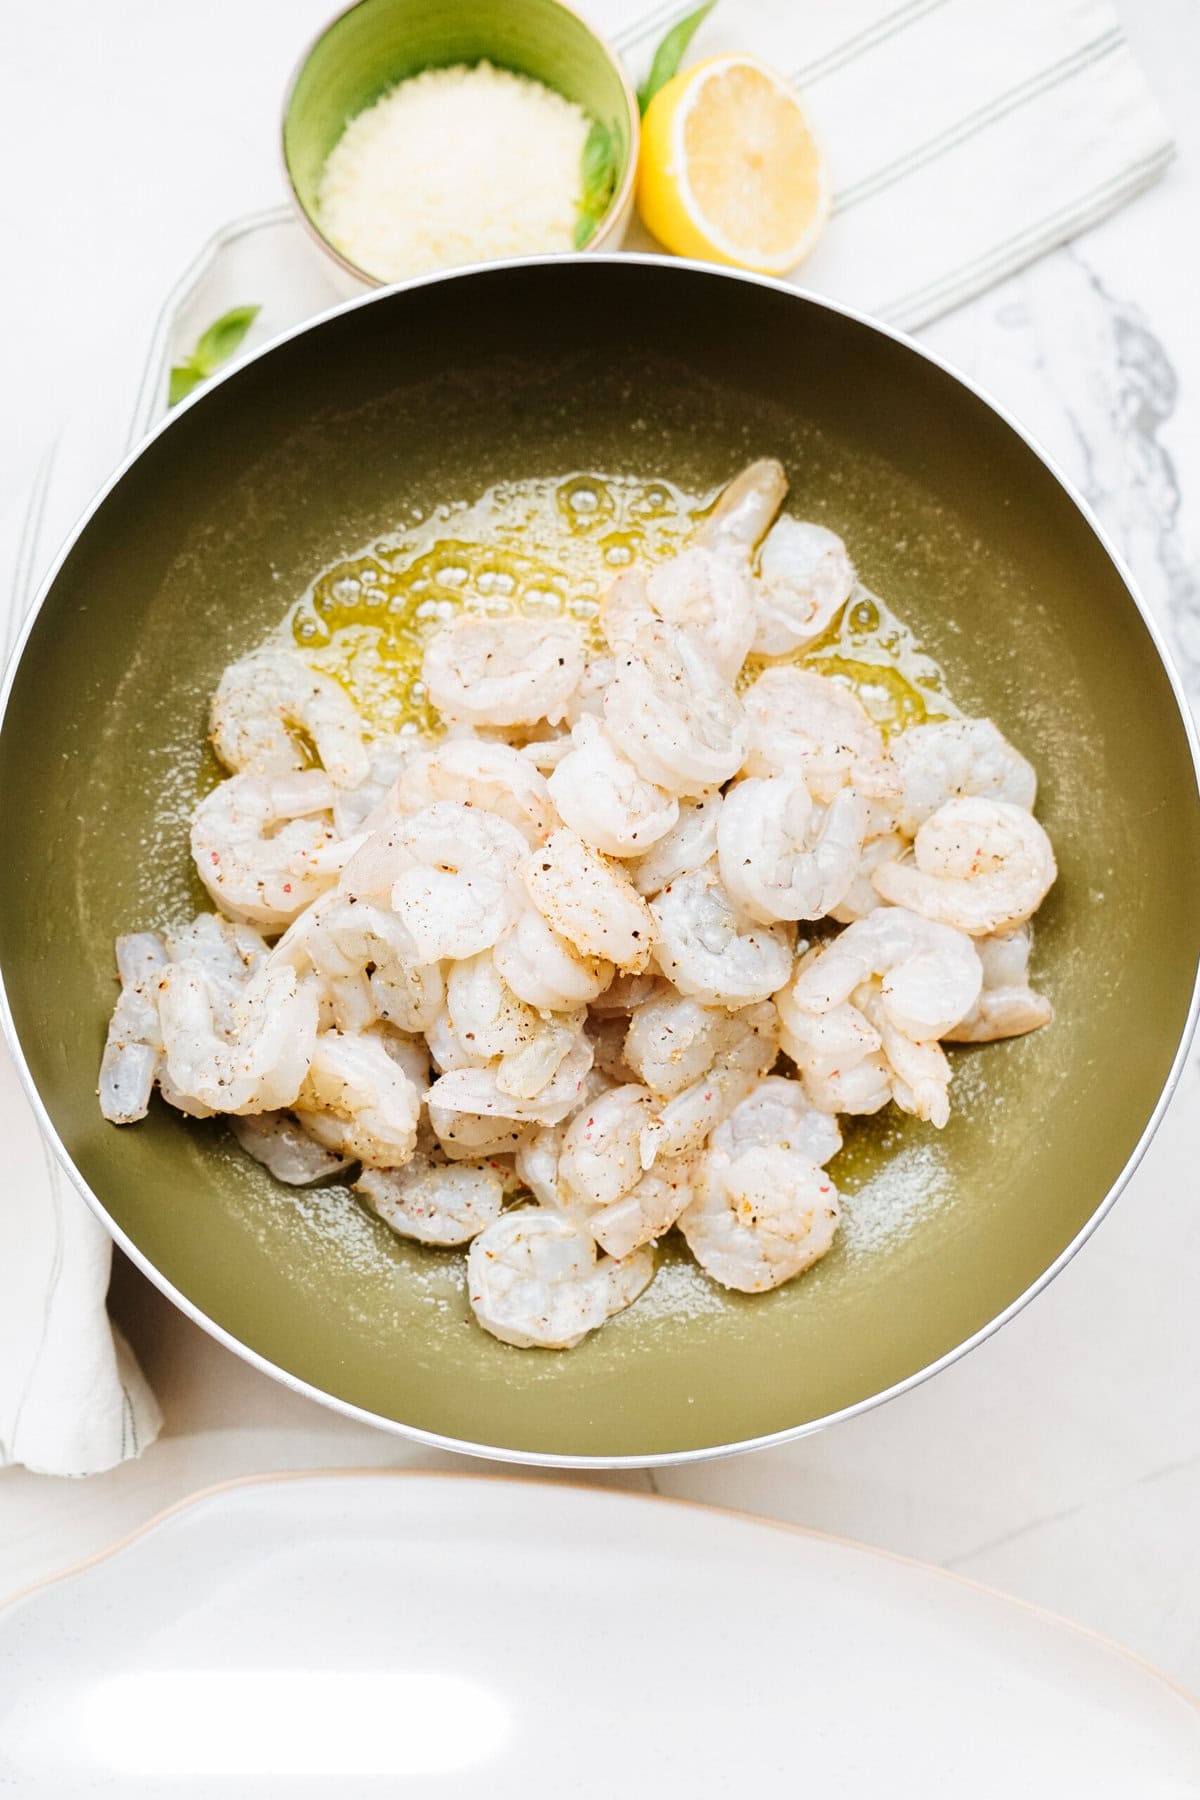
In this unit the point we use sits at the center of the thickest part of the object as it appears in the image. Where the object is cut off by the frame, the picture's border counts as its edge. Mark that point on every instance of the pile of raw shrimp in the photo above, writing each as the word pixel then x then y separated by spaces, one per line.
pixel 557 982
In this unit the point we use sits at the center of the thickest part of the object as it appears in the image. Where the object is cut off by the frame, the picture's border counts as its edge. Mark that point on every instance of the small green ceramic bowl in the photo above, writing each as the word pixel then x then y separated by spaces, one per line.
pixel 376 43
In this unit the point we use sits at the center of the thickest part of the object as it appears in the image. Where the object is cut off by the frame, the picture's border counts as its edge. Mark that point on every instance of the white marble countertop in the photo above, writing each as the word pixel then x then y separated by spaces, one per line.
pixel 1061 1461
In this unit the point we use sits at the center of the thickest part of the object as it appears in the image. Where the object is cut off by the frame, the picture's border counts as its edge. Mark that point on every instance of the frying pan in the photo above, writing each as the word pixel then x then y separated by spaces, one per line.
pixel 429 393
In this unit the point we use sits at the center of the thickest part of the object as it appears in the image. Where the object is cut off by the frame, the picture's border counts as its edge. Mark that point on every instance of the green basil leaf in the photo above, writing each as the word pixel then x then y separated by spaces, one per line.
pixel 670 53
pixel 598 159
pixel 184 377
pixel 213 347
pixel 598 175
pixel 223 337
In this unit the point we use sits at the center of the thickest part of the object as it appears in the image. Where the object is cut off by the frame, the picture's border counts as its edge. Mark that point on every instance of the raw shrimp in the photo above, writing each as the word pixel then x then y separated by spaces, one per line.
pixel 503 671
pixel 412 1054
pixel 339 939
pixel 536 1163
pixel 624 610
pixel 647 1211
pixel 284 1148
pixel 600 795
pixel 1007 1006
pixel 981 866
pixel 625 993
pixel 404 991
pixel 600 1157
pixel 349 1004
pixel 920 1073
pixel 133 1047
pixel 357 1099
pixel 435 1202
pixel 226 952
pixel 266 700
pixel 672 1040
pixel 447 1048
pixel 450 872
pixel 682 1123
pixel 953 758
pixel 534 1280
pixel 690 843
pixel 838 1053
pixel 528 1071
pixel 485 1023
pixel 674 715
pixel 777 1113
pixel 745 1049
pixel 536 1160
pixel 484 1013
pixel 467 1137
pixel 781 858
pixel 804 579
pixel 586 702
pixel 258 1060
pixel 760 1217
pixel 711 594
pixel 711 954
pixel 743 510
pixel 589 901
pixel 803 724
pixel 930 974
pixel 493 777
pixel 860 897
pixel 258 847
pixel 476 1091
pixel 697 588
pixel 545 753
pixel 543 969
pixel 364 807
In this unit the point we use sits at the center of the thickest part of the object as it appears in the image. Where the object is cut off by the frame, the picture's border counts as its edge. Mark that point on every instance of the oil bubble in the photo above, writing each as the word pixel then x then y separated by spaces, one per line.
pixel 548 547
pixel 541 602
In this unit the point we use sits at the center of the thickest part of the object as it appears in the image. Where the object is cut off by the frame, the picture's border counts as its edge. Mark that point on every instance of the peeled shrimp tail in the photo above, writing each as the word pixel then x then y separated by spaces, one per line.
pixel 1007 1005
pixel 744 509
pixel 284 1148
pixel 133 1047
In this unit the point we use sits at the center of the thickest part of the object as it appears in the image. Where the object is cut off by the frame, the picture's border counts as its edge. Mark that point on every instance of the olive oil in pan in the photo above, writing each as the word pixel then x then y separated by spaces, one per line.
pixel 548 548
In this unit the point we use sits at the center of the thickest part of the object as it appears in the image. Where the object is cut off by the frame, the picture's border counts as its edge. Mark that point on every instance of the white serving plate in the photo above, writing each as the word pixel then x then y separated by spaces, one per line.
pixel 368 1633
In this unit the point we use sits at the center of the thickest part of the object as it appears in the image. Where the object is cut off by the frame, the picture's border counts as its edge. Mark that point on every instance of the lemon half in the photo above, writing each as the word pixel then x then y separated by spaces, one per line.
pixel 729 169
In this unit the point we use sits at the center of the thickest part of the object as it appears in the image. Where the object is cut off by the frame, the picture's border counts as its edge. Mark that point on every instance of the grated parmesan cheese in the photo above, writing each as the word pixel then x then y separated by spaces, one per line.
pixel 455 165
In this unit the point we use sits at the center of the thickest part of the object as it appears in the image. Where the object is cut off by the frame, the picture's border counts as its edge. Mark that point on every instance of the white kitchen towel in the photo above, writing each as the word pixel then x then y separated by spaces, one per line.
pixel 72 1399
pixel 965 138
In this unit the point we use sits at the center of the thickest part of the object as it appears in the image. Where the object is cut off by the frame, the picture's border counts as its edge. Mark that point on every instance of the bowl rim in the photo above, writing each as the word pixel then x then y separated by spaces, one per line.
pixel 665 1458
pixel 614 215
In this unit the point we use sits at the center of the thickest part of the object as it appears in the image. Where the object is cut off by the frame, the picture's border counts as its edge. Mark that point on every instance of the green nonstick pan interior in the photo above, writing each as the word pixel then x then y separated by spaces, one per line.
pixel 429 394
